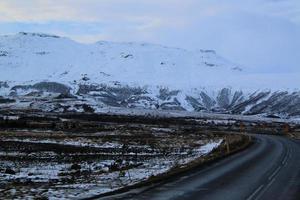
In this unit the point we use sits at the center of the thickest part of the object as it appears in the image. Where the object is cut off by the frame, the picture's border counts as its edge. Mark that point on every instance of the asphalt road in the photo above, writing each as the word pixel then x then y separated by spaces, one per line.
pixel 269 169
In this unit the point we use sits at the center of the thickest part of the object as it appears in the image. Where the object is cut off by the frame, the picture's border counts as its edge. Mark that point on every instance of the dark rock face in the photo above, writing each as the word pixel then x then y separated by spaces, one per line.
pixel 6 100
pixel 120 96
pixel 236 102
pixel 45 87
pixel 21 87
pixel 207 101
pixel 52 87
pixel 3 53
pixel 195 103
pixel 173 105
pixel 225 100
pixel 39 35
pixel 166 94
pixel 3 84
pixel 9 171
pixel 237 98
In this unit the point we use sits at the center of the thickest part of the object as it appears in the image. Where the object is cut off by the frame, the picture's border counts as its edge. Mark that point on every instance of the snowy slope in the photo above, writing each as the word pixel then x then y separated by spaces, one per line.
pixel 135 75
pixel 45 57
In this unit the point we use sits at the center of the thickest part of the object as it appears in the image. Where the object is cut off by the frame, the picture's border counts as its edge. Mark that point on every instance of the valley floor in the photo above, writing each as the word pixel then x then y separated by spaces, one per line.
pixel 66 164
pixel 72 155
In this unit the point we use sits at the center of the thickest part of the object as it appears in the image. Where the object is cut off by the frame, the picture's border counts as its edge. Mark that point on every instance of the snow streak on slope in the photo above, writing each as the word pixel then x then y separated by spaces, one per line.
pixel 38 66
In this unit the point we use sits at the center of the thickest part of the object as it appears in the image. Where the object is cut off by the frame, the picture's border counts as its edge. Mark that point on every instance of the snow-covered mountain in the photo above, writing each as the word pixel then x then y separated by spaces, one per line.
pixel 51 73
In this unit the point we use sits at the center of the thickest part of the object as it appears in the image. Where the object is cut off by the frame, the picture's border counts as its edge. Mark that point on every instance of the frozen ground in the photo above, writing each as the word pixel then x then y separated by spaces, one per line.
pixel 60 165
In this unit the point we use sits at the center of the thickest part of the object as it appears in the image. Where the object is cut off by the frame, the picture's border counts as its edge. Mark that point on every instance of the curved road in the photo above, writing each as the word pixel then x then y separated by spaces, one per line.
pixel 269 169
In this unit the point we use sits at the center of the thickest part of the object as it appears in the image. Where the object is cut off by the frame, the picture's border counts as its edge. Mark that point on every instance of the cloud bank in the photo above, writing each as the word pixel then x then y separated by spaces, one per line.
pixel 262 35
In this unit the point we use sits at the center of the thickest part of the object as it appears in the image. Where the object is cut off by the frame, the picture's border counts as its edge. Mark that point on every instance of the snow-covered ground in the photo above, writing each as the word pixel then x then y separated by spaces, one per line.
pixel 105 182
pixel 61 165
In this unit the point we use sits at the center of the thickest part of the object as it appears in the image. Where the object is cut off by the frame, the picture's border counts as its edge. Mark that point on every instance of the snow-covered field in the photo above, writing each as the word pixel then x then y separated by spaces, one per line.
pixel 61 165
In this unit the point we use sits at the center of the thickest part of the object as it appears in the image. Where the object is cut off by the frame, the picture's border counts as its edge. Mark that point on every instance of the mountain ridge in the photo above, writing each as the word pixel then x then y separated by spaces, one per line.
pixel 38 68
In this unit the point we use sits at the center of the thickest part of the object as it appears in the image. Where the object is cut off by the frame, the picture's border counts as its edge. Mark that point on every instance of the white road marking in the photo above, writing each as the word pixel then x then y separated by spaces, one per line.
pixel 285 160
pixel 255 192
pixel 288 155
pixel 270 183
pixel 271 178
pixel 265 189
pixel 274 173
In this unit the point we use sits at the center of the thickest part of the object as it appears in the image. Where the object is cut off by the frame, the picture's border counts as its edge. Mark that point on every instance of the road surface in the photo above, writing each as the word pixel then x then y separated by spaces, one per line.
pixel 269 169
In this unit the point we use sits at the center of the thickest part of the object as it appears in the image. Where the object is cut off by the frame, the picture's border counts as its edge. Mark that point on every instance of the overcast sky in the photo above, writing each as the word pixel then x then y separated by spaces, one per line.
pixel 262 35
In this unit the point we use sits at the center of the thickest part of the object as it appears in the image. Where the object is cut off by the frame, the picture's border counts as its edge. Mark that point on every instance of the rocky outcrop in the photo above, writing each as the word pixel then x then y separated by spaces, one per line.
pixel 51 87
pixel 97 96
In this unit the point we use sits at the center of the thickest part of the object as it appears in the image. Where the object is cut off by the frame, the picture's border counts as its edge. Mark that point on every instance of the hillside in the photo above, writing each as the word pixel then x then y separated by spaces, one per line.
pixel 52 73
